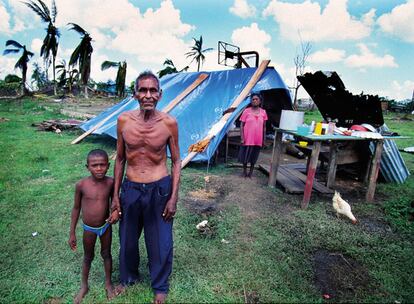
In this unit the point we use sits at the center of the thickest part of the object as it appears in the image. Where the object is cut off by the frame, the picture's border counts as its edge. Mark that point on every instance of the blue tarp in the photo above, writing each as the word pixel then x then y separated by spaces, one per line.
pixel 199 110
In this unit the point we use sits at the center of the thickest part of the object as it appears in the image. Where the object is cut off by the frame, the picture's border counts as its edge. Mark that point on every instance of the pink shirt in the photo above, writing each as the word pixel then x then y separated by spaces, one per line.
pixel 253 127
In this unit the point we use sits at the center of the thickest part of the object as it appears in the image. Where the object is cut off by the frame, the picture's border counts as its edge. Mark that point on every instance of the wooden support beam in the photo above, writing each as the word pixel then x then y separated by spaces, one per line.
pixel 332 164
pixel 166 109
pixel 311 173
pixel 374 169
pixel 275 162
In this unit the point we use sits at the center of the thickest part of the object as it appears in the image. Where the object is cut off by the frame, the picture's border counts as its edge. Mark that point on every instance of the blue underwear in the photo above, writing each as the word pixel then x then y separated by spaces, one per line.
pixel 99 231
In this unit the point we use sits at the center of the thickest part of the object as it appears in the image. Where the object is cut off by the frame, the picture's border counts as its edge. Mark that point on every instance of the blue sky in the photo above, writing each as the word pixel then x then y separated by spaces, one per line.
pixel 370 44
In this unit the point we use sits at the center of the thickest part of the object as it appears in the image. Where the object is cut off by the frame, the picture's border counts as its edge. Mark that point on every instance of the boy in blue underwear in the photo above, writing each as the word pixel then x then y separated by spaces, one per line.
pixel 92 197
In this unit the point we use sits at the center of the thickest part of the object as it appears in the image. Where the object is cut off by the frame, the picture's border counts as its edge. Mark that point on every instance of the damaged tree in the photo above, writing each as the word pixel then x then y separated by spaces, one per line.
pixel 300 64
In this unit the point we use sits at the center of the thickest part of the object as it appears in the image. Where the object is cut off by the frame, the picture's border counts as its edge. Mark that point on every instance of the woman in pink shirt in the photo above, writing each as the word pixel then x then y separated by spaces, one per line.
pixel 252 132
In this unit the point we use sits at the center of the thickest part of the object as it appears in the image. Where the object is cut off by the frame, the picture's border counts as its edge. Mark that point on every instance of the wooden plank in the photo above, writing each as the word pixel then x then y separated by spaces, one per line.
pixel 184 93
pixel 373 174
pixel 288 182
pixel 246 90
pixel 274 164
pixel 311 174
pixel 316 185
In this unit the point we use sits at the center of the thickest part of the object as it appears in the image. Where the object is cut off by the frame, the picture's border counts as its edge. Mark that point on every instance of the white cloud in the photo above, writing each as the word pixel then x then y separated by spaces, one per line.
pixel 36 45
pixel 328 55
pixel 252 38
pixel 398 91
pixel 4 19
pixel 333 23
pixel 7 66
pixel 399 22
pixel 367 59
pixel 242 9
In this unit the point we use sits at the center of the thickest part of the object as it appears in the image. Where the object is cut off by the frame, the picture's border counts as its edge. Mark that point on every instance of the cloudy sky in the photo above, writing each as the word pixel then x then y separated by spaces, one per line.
pixel 369 43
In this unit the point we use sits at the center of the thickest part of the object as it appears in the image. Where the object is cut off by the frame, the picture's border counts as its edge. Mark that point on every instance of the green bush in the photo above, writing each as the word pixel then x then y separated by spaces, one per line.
pixel 9 89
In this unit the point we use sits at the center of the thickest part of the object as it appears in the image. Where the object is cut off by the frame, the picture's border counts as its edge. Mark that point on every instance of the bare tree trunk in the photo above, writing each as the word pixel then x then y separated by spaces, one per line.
pixel 54 76
pixel 86 91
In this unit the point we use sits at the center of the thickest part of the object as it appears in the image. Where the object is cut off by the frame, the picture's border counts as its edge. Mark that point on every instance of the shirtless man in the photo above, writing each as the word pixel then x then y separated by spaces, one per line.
pixel 148 196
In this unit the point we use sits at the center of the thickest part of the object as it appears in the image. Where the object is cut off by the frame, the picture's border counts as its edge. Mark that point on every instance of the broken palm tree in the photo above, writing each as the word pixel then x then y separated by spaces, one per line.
pixel 201 145
pixel 59 124
pixel 166 109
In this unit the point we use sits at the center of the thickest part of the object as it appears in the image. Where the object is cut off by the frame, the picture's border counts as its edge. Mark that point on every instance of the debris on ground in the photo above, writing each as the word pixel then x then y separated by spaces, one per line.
pixel 3 119
pixel 202 225
pixel 57 125
pixel 203 194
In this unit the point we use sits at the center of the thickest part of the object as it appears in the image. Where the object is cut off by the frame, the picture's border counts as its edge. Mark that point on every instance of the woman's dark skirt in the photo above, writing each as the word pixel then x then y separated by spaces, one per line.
pixel 249 154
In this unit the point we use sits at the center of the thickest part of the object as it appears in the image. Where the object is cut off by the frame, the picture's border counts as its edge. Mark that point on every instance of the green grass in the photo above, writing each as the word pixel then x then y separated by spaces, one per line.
pixel 38 171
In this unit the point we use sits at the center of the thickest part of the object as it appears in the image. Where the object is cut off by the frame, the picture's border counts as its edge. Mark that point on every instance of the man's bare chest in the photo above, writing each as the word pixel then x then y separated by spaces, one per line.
pixel 152 136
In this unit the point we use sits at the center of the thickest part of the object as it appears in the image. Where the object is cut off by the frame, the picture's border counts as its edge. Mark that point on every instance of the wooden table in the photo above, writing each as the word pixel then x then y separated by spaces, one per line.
pixel 317 141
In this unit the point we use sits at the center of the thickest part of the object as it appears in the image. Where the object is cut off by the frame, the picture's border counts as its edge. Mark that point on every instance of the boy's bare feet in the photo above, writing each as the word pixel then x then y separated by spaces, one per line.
pixel 111 292
pixel 81 294
pixel 160 298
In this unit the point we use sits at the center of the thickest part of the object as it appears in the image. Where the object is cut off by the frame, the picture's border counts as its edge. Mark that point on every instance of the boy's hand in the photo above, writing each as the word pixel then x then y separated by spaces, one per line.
pixel 114 217
pixel 72 242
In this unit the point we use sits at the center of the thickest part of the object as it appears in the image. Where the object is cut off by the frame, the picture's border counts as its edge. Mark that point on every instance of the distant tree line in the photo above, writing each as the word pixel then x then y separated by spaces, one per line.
pixel 69 77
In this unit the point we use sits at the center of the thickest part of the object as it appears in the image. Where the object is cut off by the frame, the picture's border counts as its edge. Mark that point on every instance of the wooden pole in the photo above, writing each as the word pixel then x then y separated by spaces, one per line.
pixel 166 109
pixel 184 93
pixel 311 173
pixel 374 169
pixel 274 164
pixel 243 94
pixel 98 125
pixel 332 164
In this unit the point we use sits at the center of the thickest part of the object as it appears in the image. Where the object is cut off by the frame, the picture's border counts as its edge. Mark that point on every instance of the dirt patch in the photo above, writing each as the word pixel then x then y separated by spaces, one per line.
pixel 251 195
pixel 372 225
pixel 339 277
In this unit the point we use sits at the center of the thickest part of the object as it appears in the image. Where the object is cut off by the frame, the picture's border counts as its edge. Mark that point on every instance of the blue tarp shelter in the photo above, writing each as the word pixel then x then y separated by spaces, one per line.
pixel 204 106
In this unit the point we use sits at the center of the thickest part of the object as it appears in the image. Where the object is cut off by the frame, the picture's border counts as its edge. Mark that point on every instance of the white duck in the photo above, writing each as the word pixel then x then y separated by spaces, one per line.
pixel 342 207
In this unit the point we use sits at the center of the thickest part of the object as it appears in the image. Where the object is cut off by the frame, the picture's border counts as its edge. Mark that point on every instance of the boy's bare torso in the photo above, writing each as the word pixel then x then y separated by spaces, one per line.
pixel 95 197
pixel 146 145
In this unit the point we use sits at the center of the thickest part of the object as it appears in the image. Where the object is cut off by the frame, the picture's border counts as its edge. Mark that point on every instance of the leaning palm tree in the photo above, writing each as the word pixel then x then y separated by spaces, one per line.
pixel 170 68
pixel 82 55
pixel 51 41
pixel 197 52
pixel 23 60
pixel 120 75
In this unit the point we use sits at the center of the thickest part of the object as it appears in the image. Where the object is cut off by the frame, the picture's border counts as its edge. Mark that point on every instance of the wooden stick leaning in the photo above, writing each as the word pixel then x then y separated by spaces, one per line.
pixel 243 94
pixel 98 125
pixel 166 109
pixel 184 93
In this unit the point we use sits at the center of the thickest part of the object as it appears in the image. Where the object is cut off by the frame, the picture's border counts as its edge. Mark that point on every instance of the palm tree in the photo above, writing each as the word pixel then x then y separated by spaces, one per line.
pixel 38 76
pixel 22 62
pixel 120 75
pixel 170 68
pixel 197 52
pixel 68 77
pixel 51 41
pixel 82 55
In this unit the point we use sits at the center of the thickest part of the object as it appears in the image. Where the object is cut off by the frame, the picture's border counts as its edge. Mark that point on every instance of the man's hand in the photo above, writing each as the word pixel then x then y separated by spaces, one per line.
pixel 114 216
pixel 169 210
pixel 72 242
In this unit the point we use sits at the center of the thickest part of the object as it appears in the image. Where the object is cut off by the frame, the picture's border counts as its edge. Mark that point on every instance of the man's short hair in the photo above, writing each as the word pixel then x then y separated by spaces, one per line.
pixel 146 74
pixel 97 152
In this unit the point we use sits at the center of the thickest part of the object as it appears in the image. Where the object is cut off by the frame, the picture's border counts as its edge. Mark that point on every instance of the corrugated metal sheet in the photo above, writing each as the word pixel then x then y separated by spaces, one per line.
pixel 392 166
